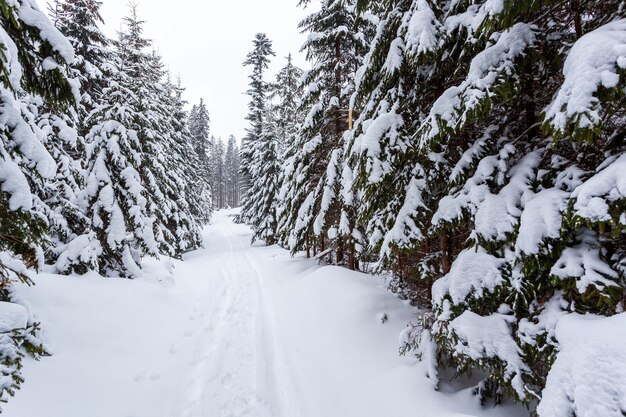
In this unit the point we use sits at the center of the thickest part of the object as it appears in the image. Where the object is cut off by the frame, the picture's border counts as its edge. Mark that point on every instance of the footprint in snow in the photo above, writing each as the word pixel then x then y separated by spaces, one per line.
pixel 155 377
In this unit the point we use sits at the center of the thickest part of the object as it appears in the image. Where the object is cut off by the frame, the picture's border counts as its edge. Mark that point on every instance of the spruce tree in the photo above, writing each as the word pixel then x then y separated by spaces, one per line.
pixel 162 166
pixel 314 212
pixel 261 197
pixel 72 246
pixel 403 73
pixel 218 172
pixel 198 122
pixel 116 197
pixel 231 167
pixel 183 161
pixel 79 21
pixel 279 128
pixel 479 125
pixel 34 61
pixel 258 59
pixel 285 94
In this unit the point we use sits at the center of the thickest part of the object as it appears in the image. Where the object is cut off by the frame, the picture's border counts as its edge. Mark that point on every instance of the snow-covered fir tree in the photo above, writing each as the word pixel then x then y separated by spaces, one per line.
pixel 218 172
pixel 285 94
pixel 34 61
pixel 195 200
pixel 472 152
pixel 199 127
pixel 78 21
pixel 278 129
pixel 70 247
pixel 162 171
pixel 315 202
pixel 401 77
pixel 261 197
pixel 258 59
pixel 122 192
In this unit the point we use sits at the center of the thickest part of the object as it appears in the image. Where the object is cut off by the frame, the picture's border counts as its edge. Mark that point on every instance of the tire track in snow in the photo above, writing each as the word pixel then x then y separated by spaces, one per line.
pixel 234 374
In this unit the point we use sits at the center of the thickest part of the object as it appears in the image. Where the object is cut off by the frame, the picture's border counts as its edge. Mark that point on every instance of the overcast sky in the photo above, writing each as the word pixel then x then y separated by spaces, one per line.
pixel 206 41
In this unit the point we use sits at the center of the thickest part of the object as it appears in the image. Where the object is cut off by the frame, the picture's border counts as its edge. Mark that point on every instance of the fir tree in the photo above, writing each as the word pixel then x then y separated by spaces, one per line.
pixel 183 160
pixel 285 92
pixel 258 59
pixel 116 196
pixel 34 61
pixel 78 21
pixel 313 208
pixel 71 247
pixel 199 128
pixel 494 162
pixel 162 168
pixel 261 197
pixel 231 167
pixel 218 172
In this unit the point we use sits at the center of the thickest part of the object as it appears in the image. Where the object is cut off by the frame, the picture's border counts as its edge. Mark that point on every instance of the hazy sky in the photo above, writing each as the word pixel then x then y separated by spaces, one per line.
pixel 206 41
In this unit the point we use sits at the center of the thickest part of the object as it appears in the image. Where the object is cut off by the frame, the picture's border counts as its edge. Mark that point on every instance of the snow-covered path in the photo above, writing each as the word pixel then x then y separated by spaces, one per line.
pixel 235 354
pixel 232 331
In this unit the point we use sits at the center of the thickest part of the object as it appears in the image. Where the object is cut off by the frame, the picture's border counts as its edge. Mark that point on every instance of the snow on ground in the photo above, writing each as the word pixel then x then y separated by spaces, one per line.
pixel 588 378
pixel 233 331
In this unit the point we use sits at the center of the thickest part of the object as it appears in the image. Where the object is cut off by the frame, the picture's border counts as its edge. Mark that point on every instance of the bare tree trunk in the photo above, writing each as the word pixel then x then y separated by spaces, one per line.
pixel 308 248
pixel 340 251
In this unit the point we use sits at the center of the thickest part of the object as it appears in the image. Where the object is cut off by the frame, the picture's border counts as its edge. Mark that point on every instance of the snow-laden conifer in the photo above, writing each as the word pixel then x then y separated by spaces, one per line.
pixel 258 59
pixel 34 61
pixel 313 213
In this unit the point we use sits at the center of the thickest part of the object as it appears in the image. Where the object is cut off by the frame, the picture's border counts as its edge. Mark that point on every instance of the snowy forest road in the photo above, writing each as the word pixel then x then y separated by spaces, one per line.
pixel 235 363
pixel 233 330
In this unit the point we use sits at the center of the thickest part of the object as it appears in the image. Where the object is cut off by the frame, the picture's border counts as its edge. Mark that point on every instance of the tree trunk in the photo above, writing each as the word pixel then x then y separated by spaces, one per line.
pixel 578 26
pixel 340 249
pixel 308 248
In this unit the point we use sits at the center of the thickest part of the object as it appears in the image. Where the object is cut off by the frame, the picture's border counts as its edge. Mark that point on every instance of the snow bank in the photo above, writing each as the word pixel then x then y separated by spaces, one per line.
pixel 344 360
pixel 110 339
pixel 588 378
pixel 12 316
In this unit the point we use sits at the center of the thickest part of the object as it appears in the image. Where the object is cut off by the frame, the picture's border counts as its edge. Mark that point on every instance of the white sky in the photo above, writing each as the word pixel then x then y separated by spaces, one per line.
pixel 206 41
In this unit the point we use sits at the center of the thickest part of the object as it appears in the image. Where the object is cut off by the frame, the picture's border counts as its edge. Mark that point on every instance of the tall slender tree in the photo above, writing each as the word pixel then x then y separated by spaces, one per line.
pixel 199 126
pixel 261 202
pixel 231 167
pixel 258 59
pixel 218 172
pixel 285 94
